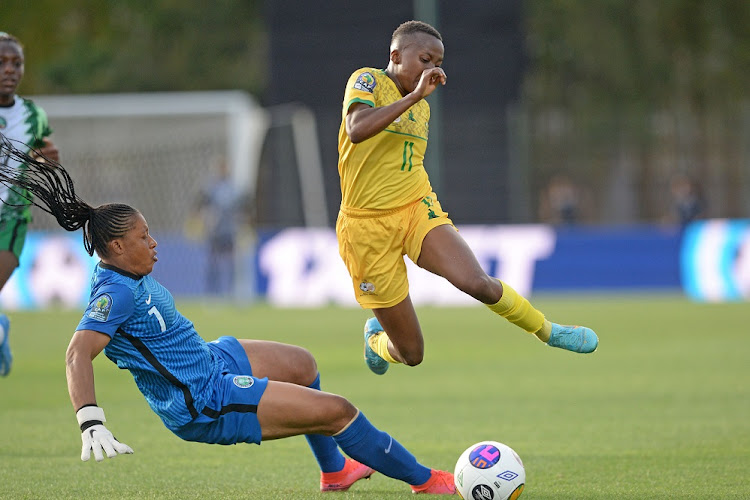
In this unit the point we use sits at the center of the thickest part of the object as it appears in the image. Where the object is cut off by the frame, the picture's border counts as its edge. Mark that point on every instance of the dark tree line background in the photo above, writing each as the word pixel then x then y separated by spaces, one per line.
pixel 611 53
pixel 94 46
pixel 640 53
pixel 653 95
pixel 622 65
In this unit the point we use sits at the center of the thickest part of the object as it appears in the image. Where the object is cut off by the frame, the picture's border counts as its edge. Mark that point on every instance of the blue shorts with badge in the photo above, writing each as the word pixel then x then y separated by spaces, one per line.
pixel 230 417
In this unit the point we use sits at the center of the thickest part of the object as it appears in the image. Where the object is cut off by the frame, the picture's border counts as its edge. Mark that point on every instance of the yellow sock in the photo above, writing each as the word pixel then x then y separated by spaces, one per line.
pixel 544 331
pixel 519 311
pixel 379 344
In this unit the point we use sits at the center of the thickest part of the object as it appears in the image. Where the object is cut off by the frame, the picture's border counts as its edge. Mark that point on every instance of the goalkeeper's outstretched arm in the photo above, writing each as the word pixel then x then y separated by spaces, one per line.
pixel 84 347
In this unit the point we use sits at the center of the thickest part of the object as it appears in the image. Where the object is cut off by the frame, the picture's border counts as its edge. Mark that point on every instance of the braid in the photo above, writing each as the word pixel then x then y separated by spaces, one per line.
pixel 46 180
pixel 46 184
pixel 107 222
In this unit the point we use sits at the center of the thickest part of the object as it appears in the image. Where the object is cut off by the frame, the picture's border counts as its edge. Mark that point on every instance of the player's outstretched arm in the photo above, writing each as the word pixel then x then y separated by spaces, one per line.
pixel 95 437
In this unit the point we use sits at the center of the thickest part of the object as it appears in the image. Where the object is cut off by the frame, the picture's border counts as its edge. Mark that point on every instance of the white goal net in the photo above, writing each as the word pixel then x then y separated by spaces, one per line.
pixel 154 151
pixel 158 151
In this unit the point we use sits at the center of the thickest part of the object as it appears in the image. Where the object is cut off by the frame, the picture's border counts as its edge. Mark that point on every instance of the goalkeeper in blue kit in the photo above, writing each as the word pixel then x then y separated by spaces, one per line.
pixel 222 392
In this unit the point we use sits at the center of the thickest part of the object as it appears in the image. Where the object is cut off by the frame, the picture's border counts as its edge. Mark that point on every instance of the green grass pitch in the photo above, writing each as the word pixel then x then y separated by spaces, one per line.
pixel 661 410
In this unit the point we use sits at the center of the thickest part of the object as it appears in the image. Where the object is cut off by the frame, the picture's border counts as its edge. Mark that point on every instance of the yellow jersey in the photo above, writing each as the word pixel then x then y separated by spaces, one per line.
pixel 387 170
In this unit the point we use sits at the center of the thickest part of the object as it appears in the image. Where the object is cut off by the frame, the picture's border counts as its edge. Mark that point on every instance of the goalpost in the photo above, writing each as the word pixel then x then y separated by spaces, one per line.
pixel 155 151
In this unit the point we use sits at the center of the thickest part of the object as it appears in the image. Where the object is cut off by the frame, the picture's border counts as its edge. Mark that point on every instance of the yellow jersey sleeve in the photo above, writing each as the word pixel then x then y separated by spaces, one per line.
pixel 387 170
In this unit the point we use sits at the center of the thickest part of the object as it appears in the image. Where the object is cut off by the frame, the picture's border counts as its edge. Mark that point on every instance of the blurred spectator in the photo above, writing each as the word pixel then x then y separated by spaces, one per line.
pixel 687 201
pixel 221 210
pixel 560 201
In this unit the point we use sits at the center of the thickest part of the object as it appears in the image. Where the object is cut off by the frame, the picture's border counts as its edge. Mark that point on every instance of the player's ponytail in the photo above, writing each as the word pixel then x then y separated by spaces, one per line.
pixel 46 184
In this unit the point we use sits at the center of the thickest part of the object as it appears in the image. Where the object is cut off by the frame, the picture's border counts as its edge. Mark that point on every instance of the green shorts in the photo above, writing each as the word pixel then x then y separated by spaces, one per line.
pixel 13 235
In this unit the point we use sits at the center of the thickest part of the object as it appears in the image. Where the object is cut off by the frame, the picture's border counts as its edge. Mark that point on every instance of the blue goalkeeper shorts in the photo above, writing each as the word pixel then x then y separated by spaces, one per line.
pixel 230 417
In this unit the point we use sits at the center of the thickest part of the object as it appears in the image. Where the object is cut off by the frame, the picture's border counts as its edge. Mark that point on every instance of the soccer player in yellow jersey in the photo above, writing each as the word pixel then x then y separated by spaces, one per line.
pixel 388 209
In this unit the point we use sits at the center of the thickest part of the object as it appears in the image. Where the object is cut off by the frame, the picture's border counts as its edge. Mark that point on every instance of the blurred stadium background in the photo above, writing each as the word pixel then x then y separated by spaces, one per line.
pixel 593 154
pixel 577 146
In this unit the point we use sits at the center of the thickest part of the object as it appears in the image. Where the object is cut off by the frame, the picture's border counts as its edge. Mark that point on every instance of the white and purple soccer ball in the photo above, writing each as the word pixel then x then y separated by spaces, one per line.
pixel 489 470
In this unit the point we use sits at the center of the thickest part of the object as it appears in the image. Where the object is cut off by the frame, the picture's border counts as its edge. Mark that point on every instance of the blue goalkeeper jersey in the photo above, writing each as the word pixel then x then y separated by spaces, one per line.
pixel 172 365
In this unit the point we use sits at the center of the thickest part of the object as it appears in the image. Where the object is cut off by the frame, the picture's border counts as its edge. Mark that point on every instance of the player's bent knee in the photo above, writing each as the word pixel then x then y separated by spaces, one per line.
pixel 304 367
pixel 413 358
pixel 410 355
pixel 342 412
pixel 310 369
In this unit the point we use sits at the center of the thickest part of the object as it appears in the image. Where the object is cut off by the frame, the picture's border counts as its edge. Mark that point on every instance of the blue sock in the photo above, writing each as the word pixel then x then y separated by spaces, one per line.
pixel 324 448
pixel 376 449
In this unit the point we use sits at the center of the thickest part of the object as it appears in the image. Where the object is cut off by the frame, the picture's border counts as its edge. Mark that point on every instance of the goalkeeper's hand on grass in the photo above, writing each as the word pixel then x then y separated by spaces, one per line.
pixel 96 437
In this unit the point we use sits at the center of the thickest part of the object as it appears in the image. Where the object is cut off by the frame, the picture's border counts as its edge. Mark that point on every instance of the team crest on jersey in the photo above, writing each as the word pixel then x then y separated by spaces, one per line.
pixel 101 308
pixel 367 287
pixel 3 123
pixel 243 381
pixel 365 82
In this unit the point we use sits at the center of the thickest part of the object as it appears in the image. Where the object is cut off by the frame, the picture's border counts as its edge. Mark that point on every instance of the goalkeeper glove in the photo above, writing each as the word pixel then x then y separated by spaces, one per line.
pixel 96 437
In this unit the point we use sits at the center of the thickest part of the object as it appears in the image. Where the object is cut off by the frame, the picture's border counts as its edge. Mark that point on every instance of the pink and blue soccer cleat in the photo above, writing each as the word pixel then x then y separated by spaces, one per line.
pixel 440 483
pixel 342 480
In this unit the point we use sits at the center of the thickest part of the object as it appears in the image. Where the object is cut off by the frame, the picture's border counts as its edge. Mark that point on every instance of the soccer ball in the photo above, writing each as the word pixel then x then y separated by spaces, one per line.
pixel 489 471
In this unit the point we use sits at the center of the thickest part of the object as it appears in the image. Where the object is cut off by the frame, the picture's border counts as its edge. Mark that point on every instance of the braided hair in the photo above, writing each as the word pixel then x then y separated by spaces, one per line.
pixel 46 184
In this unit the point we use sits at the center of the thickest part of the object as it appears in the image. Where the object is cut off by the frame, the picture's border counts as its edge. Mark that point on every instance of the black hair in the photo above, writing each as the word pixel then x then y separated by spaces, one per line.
pixel 7 37
pixel 411 27
pixel 46 184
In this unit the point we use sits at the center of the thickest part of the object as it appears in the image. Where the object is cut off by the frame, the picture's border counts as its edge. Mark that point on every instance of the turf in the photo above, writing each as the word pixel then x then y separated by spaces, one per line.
pixel 661 410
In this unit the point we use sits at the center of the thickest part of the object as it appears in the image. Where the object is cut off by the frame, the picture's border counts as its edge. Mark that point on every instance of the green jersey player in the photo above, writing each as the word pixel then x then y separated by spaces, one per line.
pixel 23 122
